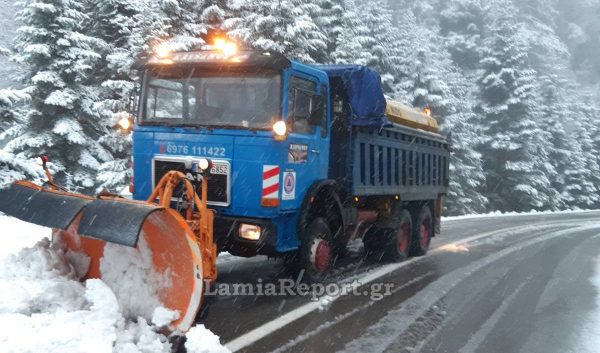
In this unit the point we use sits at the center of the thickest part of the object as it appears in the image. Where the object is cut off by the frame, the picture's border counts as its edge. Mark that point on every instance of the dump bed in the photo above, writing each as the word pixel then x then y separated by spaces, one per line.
pixel 393 149
pixel 399 160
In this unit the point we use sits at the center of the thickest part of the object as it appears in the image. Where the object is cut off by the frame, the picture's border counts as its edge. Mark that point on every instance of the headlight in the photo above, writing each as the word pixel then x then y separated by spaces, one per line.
pixel 249 231
pixel 204 164
pixel 124 121
pixel 280 129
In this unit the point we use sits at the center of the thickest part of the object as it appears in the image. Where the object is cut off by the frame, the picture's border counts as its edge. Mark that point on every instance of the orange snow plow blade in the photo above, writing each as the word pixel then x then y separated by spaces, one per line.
pixel 175 254
pixel 182 251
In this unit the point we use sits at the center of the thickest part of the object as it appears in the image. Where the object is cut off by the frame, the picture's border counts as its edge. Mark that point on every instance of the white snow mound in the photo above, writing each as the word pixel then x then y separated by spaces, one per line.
pixel 129 272
pixel 44 308
pixel 202 340
pixel 39 279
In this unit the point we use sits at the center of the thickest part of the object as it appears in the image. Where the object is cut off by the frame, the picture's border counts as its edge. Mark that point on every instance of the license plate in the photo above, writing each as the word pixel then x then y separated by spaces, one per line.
pixel 219 168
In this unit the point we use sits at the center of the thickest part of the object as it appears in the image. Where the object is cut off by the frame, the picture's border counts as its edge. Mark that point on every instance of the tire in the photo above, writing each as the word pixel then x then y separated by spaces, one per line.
pixel 373 240
pixel 422 231
pixel 392 243
pixel 316 257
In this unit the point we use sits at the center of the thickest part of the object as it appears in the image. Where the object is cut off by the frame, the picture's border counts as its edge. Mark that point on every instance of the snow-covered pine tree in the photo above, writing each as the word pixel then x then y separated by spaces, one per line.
pixel 564 151
pixel 62 121
pixel 10 115
pixel 354 40
pixel 113 21
pixel 514 149
pixel 329 16
pixel 280 26
pixel 454 102
pixel 461 23
pixel 587 131
pixel 467 177
pixel 10 118
pixel 150 27
pixel 11 126
pixel 369 38
pixel 561 105
pixel 181 23
pixel 214 13
pixel 431 80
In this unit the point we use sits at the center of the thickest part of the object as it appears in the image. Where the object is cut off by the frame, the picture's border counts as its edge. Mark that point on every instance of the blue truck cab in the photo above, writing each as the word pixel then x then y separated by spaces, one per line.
pixel 295 168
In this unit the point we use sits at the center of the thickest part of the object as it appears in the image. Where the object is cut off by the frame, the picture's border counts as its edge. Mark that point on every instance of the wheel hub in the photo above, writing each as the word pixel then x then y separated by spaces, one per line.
pixel 403 238
pixel 424 234
pixel 320 255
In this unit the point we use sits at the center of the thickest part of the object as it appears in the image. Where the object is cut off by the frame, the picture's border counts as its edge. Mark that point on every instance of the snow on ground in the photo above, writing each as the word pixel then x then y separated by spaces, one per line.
pixel 17 235
pixel 590 334
pixel 45 308
pixel 512 214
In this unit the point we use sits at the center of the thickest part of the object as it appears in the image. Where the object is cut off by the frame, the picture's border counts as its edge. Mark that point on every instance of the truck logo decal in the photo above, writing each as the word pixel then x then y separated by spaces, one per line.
pixel 289 186
pixel 270 182
pixel 297 153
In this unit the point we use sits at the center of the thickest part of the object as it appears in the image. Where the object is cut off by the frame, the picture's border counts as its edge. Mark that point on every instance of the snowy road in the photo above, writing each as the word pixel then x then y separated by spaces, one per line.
pixel 526 283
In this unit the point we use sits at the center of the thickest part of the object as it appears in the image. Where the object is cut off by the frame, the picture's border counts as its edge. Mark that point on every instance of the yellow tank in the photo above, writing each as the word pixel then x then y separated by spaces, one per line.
pixel 403 115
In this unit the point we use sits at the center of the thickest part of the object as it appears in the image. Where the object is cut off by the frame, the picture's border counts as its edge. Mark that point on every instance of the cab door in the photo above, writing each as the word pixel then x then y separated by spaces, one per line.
pixel 308 147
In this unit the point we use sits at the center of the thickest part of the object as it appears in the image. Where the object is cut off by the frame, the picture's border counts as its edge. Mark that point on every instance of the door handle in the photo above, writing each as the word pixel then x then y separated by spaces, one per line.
pixel 316 151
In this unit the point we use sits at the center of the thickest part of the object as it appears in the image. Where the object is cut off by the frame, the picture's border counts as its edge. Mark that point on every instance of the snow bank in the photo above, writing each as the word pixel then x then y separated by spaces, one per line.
pixel 17 235
pixel 39 279
pixel 512 214
pixel 45 308
pixel 201 340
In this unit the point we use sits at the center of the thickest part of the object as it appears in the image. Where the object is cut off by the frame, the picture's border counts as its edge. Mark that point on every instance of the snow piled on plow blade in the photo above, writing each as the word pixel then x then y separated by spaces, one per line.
pixel 45 308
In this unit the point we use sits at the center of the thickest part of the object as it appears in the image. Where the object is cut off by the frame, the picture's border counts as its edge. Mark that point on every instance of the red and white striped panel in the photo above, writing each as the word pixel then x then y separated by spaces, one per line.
pixel 270 182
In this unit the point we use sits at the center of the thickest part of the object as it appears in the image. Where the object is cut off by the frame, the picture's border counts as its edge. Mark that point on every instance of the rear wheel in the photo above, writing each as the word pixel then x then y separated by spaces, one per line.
pixel 390 243
pixel 399 240
pixel 422 231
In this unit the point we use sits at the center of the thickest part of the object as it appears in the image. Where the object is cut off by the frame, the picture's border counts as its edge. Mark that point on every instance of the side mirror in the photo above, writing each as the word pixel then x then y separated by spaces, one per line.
pixel 317 110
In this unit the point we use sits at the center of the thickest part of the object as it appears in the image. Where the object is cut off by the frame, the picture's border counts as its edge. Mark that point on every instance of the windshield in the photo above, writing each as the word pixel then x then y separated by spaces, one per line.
pixel 186 97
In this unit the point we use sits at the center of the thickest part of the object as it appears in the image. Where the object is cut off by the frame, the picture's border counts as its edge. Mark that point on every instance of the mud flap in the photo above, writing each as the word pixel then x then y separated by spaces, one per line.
pixel 44 208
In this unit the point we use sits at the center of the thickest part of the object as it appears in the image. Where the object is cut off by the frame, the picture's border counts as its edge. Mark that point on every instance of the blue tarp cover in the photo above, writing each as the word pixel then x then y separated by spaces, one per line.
pixel 364 93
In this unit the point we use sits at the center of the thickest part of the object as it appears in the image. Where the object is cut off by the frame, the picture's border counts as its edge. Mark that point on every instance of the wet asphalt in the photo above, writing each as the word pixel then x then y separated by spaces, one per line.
pixel 491 284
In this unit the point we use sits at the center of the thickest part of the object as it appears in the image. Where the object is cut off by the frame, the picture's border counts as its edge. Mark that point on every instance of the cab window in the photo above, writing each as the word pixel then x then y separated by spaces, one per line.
pixel 300 96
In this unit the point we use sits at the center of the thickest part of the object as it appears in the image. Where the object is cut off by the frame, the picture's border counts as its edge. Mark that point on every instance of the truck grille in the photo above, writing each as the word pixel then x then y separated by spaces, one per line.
pixel 219 182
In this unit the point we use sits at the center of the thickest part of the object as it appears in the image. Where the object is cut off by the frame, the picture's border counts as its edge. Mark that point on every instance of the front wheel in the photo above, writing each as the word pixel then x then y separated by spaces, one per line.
pixel 315 258
pixel 422 232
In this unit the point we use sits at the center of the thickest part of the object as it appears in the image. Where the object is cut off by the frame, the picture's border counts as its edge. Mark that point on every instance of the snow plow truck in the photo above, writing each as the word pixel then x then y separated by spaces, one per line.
pixel 249 152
